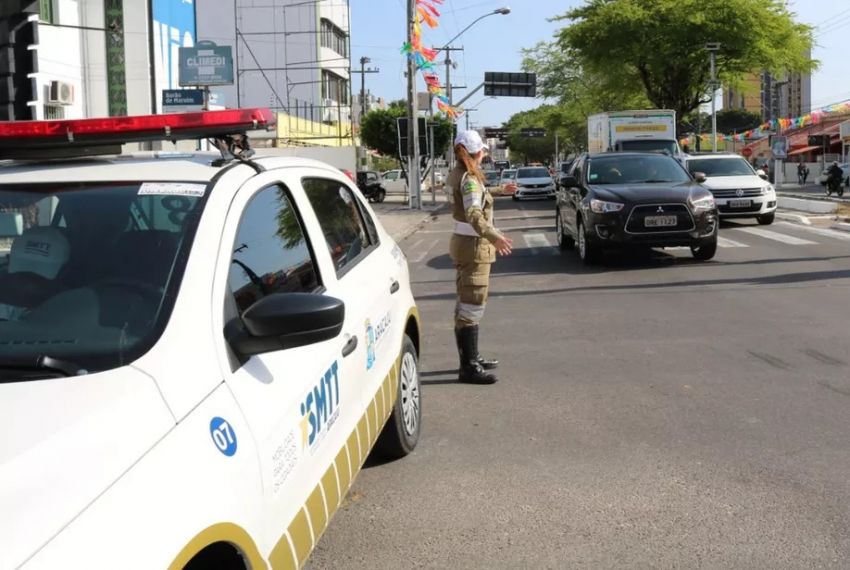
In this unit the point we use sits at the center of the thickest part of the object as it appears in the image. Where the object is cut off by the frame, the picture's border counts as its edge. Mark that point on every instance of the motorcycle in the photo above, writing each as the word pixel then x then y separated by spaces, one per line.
pixel 834 184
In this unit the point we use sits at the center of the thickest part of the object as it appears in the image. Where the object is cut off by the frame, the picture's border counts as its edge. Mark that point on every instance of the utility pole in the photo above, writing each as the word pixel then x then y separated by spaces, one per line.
pixel 448 49
pixel 363 71
pixel 412 118
pixel 713 48
pixel 467 112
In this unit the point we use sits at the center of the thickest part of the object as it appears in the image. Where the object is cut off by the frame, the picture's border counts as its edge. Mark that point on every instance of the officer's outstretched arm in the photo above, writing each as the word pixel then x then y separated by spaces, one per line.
pixel 473 204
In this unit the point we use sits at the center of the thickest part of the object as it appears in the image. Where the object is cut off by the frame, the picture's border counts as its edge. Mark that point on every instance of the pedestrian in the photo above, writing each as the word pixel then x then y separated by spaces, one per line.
pixel 473 247
pixel 805 174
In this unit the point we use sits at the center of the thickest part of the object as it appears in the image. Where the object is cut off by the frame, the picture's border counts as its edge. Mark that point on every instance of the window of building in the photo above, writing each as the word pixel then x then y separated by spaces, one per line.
pixel 334 38
pixel 341 220
pixel 52 112
pixel 334 87
pixel 271 253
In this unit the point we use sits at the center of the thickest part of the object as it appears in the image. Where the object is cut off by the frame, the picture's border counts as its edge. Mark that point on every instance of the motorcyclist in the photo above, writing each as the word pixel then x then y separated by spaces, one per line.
pixel 835 173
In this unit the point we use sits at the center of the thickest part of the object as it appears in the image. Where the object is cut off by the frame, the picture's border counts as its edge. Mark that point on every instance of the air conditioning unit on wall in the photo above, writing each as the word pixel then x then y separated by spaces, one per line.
pixel 61 93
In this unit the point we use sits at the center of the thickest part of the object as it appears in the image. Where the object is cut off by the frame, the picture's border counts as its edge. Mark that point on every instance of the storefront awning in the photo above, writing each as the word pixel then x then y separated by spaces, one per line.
pixel 803 150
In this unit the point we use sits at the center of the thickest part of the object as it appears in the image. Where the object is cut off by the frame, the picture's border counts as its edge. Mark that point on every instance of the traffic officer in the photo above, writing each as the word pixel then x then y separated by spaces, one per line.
pixel 473 247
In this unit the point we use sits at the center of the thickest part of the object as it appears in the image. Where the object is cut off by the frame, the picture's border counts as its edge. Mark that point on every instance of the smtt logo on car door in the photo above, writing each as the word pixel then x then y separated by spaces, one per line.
pixel 320 408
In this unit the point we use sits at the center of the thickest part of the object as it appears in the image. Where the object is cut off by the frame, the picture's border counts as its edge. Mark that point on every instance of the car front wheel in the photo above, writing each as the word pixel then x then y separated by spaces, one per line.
pixel 401 433
pixel 565 242
pixel 588 252
pixel 704 250
pixel 766 219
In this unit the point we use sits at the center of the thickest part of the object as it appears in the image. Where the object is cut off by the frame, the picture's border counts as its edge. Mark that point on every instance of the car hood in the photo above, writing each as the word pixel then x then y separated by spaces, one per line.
pixel 65 441
pixel 634 193
pixel 734 182
pixel 541 180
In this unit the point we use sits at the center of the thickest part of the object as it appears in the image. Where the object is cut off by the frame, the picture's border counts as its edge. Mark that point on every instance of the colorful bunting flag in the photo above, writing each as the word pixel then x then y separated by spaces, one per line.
pixel 423 58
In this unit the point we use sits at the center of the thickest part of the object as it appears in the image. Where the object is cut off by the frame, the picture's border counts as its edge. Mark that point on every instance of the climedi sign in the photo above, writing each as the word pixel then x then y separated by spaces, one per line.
pixel 206 64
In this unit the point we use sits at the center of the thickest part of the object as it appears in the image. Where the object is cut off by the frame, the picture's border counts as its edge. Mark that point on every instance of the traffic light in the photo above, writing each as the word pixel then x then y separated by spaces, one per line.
pixel 817 140
pixel 18 64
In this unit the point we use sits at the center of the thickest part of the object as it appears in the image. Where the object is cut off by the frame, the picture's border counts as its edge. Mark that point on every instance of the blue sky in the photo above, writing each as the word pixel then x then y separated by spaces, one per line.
pixel 494 43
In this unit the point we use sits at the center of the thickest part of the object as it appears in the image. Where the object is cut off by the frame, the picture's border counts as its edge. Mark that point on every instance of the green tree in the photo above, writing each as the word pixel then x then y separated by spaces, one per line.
pixel 658 46
pixel 735 120
pixel 379 131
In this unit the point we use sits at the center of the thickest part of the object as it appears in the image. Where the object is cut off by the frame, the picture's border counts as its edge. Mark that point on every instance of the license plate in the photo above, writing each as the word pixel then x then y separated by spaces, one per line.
pixel 660 221
pixel 740 203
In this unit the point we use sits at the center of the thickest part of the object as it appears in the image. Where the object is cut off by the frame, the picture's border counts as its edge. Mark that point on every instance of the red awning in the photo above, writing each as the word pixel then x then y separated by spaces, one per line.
pixel 803 150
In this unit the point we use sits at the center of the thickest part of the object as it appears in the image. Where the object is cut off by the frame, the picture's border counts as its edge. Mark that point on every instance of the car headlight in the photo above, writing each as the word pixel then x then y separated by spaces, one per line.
pixel 602 207
pixel 769 189
pixel 702 204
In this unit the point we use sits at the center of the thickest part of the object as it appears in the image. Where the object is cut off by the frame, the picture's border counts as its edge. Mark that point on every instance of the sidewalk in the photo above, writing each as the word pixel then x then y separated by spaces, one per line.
pixel 400 221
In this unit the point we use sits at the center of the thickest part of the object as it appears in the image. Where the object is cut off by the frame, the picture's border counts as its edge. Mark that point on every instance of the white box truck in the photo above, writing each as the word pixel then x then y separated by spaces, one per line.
pixel 641 131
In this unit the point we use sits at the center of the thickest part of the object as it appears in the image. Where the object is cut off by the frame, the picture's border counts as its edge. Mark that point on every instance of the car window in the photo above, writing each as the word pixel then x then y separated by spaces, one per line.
pixel 271 253
pixel 341 221
pixel 371 177
pixel 532 173
pixel 391 175
pixel 635 169
pixel 89 271
pixel 727 166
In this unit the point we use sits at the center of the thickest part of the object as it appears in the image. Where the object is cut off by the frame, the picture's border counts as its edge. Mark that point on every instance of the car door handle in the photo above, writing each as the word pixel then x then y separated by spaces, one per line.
pixel 394 287
pixel 349 347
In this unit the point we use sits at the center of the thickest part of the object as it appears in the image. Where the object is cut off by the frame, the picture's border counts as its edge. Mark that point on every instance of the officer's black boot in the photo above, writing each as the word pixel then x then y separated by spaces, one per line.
pixel 486 363
pixel 471 370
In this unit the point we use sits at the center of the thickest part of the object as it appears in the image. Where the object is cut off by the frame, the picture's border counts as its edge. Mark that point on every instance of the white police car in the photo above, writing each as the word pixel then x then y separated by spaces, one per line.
pixel 196 356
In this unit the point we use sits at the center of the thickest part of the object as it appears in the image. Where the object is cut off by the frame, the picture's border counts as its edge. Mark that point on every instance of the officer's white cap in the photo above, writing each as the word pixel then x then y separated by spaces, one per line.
pixel 471 141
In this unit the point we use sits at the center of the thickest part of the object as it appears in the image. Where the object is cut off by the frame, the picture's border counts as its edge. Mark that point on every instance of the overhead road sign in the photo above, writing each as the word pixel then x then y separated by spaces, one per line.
pixel 509 84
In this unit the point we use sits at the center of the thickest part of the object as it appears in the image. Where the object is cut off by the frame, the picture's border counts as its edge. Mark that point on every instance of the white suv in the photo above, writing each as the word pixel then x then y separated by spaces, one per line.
pixel 196 355
pixel 738 190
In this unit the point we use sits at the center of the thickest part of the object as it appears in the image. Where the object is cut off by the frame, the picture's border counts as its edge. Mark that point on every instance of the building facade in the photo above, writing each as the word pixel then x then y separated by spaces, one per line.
pixel 93 58
pixel 291 56
pixel 772 96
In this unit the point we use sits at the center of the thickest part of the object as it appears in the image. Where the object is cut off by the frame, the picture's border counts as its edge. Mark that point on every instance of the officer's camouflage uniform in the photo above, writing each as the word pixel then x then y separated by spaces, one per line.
pixel 471 247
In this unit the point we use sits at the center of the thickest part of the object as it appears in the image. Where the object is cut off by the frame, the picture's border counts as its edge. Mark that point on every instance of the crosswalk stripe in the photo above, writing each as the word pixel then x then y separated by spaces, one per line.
pixel 726 242
pixel 422 254
pixel 775 236
pixel 835 234
pixel 536 242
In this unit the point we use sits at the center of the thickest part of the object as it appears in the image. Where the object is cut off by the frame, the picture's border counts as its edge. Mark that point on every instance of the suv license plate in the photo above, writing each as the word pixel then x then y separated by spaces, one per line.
pixel 740 203
pixel 660 221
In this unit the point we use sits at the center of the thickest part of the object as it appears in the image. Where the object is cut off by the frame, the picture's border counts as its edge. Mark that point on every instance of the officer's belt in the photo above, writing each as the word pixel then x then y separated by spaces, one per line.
pixel 464 229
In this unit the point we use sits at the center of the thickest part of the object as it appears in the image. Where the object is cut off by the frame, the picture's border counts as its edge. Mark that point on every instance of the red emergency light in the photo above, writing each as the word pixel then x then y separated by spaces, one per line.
pixel 68 137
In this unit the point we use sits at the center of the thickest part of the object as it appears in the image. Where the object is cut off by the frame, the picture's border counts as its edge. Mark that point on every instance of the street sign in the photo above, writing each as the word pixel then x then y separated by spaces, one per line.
pixel 533 133
pixel 779 146
pixel 508 84
pixel 817 140
pixel 175 100
pixel 206 64
pixel 747 152
pixel 402 137
pixel 495 133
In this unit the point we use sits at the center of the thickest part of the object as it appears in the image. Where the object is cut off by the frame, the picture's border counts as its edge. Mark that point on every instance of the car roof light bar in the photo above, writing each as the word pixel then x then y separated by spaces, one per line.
pixel 21 138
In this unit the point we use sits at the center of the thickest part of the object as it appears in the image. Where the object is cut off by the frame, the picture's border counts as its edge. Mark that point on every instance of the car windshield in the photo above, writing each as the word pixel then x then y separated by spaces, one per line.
pixel 635 169
pixel 89 272
pixel 712 167
pixel 532 173
pixel 565 167
pixel 648 146
pixel 492 176
pixel 508 174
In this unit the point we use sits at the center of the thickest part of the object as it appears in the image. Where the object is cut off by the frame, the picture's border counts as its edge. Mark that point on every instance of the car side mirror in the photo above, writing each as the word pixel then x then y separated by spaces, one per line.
pixel 700 177
pixel 285 320
pixel 761 174
pixel 569 182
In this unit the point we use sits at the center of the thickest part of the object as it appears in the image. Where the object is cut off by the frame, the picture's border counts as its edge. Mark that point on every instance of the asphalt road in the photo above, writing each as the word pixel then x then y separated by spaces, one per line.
pixel 652 413
pixel 814 189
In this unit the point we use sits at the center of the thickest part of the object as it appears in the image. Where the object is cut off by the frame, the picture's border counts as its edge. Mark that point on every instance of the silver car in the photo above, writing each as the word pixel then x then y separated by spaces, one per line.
pixel 534 182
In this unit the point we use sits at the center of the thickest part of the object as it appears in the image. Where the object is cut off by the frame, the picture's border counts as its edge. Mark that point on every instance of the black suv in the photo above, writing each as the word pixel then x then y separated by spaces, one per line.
pixel 369 183
pixel 618 199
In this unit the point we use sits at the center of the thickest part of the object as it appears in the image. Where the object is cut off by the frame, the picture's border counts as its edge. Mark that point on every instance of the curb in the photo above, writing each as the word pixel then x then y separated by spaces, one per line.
pixel 796 218
pixel 841 226
pixel 416 226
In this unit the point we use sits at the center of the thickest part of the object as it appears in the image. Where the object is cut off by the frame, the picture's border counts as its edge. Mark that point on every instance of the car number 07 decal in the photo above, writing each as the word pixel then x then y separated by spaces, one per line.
pixel 223 436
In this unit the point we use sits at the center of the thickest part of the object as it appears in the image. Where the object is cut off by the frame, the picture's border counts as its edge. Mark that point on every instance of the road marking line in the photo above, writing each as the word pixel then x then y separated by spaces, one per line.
pixel 775 236
pixel 537 242
pixel 421 256
pixel 726 242
pixel 835 234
